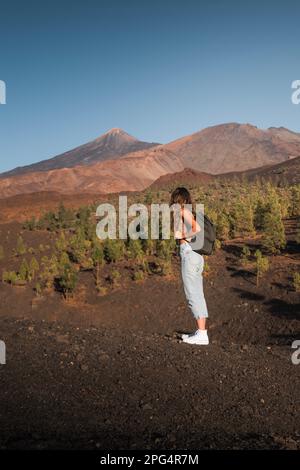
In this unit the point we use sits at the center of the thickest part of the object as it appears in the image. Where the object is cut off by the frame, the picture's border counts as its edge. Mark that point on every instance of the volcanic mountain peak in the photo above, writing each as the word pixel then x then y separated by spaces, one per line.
pixel 109 146
pixel 116 138
pixel 117 133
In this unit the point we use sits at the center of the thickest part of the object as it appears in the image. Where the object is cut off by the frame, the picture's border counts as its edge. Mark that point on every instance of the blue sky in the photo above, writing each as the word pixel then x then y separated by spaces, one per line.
pixel 159 69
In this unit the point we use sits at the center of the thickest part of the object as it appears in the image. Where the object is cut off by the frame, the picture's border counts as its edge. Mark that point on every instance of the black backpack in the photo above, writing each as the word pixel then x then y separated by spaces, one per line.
pixel 209 237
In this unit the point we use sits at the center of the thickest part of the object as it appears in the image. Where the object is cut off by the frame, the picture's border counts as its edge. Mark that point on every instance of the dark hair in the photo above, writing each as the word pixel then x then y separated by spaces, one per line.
pixel 181 196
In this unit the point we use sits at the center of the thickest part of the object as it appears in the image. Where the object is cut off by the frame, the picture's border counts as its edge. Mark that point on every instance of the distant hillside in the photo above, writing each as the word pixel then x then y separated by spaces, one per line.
pixel 285 172
pixel 235 147
pixel 133 173
pixel 187 177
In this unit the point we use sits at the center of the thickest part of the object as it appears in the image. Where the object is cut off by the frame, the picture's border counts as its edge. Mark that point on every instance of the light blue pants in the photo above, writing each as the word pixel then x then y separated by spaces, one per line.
pixel 191 272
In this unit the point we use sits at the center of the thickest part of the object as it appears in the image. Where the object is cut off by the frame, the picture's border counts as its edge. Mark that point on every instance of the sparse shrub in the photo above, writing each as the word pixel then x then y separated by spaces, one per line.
pixel 134 250
pixel 206 268
pixel 165 267
pixel 30 250
pixel 138 275
pixel 296 282
pixel 50 271
pixel 10 277
pixel 48 221
pixel 148 198
pixel 33 267
pixel 21 247
pixel 148 246
pixel 63 260
pixel 77 247
pixel 165 249
pixel 101 290
pixel 115 277
pixel 38 289
pixel 30 224
pixel 113 250
pixel 87 264
pixel 262 265
pixel 61 243
pixel 217 245
pixel 65 217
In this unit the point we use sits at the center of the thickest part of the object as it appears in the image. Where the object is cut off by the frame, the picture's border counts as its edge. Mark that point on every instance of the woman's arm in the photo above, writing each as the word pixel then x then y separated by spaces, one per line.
pixel 189 219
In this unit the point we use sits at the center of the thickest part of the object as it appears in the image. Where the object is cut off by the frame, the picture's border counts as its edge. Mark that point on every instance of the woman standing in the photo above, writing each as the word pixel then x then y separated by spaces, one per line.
pixel 192 264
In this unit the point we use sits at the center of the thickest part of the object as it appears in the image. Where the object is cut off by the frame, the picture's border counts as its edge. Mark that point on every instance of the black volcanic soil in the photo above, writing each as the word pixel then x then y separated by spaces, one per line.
pixel 111 372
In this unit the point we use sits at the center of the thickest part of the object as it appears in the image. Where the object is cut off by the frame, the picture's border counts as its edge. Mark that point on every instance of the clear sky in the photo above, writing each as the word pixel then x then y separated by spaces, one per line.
pixel 159 69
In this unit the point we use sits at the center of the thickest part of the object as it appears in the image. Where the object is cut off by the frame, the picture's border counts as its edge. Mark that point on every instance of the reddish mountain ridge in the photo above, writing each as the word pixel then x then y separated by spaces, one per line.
pixel 107 165
pixel 133 173
pixel 235 147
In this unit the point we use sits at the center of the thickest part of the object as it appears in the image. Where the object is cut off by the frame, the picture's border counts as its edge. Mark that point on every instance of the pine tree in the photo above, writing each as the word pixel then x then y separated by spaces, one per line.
pixel 24 271
pixel 262 265
pixel 68 279
pixel 135 250
pixel 294 209
pixel 33 267
pixel 274 234
pixel 273 229
pixel 243 219
pixel 61 243
pixel 98 260
pixel 113 250
pixel 223 226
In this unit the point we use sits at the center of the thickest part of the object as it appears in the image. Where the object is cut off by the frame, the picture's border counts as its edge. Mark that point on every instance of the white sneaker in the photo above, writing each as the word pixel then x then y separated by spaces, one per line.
pixel 200 337
pixel 187 335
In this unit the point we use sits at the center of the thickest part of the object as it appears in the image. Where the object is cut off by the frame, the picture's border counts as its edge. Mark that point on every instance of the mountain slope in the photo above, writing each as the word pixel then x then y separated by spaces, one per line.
pixel 133 173
pixel 110 145
pixel 107 165
pixel 281 173
pixel 187 177
pixel 235 147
